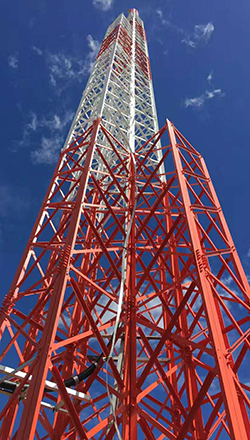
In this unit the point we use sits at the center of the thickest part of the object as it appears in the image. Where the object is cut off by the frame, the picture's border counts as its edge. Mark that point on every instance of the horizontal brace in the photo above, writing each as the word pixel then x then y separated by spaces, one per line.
pixel 117 97
pixel 117 110
pixel 191 152
pixel 144 113
pixel 206 208
pixel 239 341
pixel 137 337
pixel 94 251
pixel 118 176
pixel 195 175
pixel 81 336
pixel 53 407
pixel 48 384
pixel 139 359
pixel 217 252
pixel 105 122
pixel 121 152
pixel 116 84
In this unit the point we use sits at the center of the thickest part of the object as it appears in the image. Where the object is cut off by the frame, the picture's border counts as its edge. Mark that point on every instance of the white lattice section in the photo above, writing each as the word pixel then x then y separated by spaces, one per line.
pixel 120 91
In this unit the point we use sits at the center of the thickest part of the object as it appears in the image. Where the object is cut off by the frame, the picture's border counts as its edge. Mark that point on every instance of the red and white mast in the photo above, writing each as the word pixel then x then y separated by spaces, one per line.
pixel 128 316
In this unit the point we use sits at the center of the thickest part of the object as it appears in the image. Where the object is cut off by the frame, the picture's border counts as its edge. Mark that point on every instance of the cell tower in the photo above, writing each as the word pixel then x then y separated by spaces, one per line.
pixel 128 316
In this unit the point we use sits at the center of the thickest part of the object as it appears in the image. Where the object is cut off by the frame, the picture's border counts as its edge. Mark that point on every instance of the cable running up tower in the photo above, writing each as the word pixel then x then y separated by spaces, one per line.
pixel 128 316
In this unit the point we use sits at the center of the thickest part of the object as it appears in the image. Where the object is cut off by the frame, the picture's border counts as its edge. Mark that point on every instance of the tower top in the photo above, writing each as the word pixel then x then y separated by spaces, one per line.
pixel 133 10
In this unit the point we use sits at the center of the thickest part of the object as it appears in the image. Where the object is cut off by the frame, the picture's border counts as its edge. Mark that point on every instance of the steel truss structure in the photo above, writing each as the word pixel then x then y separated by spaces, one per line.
pixel 130 230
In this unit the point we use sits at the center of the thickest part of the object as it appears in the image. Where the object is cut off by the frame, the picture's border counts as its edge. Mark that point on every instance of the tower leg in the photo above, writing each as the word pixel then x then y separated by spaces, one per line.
pixel 36 390
pixel 226 374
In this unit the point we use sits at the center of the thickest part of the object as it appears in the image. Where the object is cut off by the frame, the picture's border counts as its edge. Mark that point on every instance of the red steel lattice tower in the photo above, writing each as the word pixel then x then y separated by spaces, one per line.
pixel 128 316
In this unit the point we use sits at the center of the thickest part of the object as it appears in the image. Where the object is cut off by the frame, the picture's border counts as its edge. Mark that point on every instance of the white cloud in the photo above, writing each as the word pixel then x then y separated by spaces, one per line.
pixel 47 134
pixel 189 42
pixel 33 124
pixel 13 61
pixel 52 80
pixel 160 15
pixel 195 102
pixel 57 122
pixel 64 69
pixel 211 95
pixel 60 67
pixel 37 50
pixel 210 77
pixel 53 123
pixel 200 100
pixel 47 153
pixel 166 22
pixel 202 33
pixel 94 46
pixel 104 5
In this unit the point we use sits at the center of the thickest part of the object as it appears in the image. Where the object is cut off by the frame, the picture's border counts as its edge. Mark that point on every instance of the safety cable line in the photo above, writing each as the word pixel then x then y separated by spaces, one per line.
pixel 121 296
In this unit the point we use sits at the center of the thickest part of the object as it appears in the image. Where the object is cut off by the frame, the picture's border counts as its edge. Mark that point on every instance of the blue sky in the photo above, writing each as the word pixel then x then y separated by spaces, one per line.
pixel 200 67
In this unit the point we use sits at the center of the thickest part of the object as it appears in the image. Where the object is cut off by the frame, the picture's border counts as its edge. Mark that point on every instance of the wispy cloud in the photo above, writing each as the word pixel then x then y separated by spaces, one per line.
pixel 13 61
pixel 47 134
pixel 166 22
pixel 201 34
pixel 195 102
pixel 210 77
pixel 189 42
pixel 94 46
pixel 47 153
pixel 55 122
pixel 104 5
pixel 161 16
pixel 61 66
pixel 37 50
pixel 66 68
pixel 199 101
pixel 215 92
pixel 203 31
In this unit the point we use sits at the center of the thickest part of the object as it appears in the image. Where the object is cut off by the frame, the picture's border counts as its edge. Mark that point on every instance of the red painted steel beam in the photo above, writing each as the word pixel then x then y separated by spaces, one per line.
pixel 30 414
pixel 173 305
pixel 234 413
